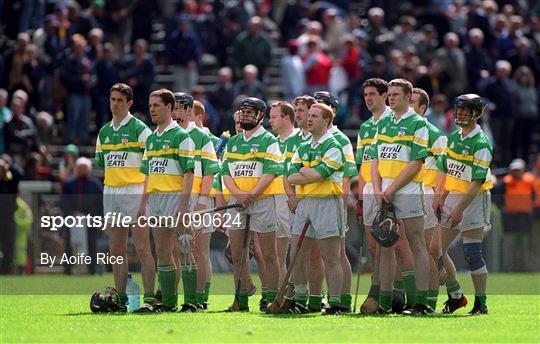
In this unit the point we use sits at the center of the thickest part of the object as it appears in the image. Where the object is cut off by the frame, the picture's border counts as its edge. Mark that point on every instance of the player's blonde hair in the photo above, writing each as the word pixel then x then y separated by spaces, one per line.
pixel 198 108
pixel 326 110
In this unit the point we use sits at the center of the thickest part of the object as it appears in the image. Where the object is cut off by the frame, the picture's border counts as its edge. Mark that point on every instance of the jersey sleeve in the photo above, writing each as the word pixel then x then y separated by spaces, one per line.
pixel 186 157
pixel 273 160
pixel 100 158
pixel 330 162
pixel 143 136
pixel 420 141
pixel 439 146
pixel 481 161
pixel 225 164
pixel 441 163
pixel 373 148
pixel 349 169
pixel 209 159
pixel 359 149
pixel 144 163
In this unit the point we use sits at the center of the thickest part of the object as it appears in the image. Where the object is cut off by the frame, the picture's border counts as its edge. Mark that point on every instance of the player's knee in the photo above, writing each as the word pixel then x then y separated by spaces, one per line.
pixel 117 249
pixel 474 257
pixel 434 251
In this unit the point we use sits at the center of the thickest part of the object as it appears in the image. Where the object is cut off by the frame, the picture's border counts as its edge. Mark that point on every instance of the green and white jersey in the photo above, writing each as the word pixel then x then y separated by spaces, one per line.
pixel 467 159
pixel 206 161
pixel 168 156
pixel 436 147
pixel 366 136
pixel 287 148
pixel 120 151
pixel 398 142
pixel 349 170
pixel 247 160
pixel 326 157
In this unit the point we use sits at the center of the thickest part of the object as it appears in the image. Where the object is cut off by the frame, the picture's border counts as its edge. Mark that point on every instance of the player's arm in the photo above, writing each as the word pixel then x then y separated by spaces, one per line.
pixel 187 163
pixel 405 177
pixel 376 180
pixel 273 166
pixel 210 167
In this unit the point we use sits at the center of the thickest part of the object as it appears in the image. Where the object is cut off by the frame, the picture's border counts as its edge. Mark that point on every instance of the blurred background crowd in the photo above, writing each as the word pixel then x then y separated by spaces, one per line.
pixel 58 60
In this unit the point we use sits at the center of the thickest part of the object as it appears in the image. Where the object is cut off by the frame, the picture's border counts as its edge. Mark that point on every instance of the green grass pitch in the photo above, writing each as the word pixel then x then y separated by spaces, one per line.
pixel 60 313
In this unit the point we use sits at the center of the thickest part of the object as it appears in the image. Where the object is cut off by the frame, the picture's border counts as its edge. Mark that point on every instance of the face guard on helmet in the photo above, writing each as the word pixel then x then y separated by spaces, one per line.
pixel 105 300
pixel 183 102
pixel 468 108
pixel 252 112
pixel 327 98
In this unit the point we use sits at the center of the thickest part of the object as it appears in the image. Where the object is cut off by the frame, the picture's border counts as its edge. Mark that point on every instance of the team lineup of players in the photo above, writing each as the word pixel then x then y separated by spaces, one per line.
pixel 438 186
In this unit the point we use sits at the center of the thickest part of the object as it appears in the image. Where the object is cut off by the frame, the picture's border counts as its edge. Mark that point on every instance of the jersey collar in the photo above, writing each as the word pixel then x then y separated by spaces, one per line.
pixel 294 132
pixel 332 130
pixel 321 140
pixel 473 133
pixel 169 127
pixel 406 115
pixel 257 132
pixel 190 127
pixel 387 111
pixel 125 121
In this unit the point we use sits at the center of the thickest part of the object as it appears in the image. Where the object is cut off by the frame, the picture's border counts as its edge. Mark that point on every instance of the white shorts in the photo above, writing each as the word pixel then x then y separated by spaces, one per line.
pixel 124 200
pixel 369 207
pixel 262 214
pixel 476 215
pixel 165 207
pixel 284 217
pixel 430 220
pixel 205 218
pixel 408 202
pixel 326 215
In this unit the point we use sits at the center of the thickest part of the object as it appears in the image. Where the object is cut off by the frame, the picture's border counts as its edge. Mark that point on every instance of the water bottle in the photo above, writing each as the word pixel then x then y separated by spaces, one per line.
pixel 223 139
pixel 133 294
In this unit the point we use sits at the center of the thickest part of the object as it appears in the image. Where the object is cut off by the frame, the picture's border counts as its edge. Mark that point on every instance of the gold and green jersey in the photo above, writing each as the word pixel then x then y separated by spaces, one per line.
pixel 398 142
pixel 206 161
pixel 168 156
pixel 287 148
pixel 366 136
pixel 349 169
pixel 467 159
pixel 326 157
pixel 120 151
pixel 436 147
pixel 247 160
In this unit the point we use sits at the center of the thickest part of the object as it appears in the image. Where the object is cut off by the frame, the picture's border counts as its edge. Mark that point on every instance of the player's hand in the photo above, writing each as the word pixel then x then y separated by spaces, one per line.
pixel 142 211
pixel 243 199
pixel 379 199
pixel 455 217
pixel 292 202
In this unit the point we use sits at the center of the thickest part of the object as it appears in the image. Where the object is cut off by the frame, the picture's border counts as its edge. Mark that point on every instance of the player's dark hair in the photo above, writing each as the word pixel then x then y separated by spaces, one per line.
pixel 379 84
pixel 286 109
pixel 125 89
pixel 405 85
pixel 306 100
pixel 167 97
pixel 423 99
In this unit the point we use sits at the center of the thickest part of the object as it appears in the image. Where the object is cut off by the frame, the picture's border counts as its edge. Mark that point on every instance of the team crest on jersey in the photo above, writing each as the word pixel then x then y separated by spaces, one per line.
pixel 234 149
pixel 125 138
pixel 402 131
pixel 304 157
pixel 366 134
pixel 166 144
pixel 107 140
pixel 151 145
pixel 452 145
pixel 254 148
pixel 465 150
pixel 383 130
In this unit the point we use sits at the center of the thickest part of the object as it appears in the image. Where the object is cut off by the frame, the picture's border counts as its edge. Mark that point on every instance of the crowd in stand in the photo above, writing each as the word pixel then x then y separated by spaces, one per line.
pixel 59 58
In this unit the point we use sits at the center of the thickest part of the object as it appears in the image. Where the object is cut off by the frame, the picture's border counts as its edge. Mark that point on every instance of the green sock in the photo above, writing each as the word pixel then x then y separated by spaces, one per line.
pixel 315 301
pixel 454 289
pixel 122 297
pixel 149 297
pixel 200 297
pixel 482 298
pixel 374 291
pixel 300 294
pixel 422 297
pixel 189 281
pixel 433 294
pixel 346 300
pixel 271 295
pixel 334 301
pixel 206 291
pixel 385 299
pixel 243 298
pixel 264 292
pixel 409 282
pixel 398 284
pixel 167 276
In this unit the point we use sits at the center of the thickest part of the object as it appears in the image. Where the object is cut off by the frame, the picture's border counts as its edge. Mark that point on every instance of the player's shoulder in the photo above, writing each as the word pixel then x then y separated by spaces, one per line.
pixel 482 141
pixel 137 125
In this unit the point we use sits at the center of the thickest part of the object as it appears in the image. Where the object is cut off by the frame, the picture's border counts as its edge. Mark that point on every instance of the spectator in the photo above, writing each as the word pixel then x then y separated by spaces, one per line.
pixel 503 41
pixel 479 64
pixel 380 37
pixel 250 86
pixel 5 117
pixel 453 62
pixel 95 40
pixel 107 75
pixel 523 56
pixel 525 107
pixel 80 195
pixel 20 132
pixel 15 62
pixel 184 48
pixel 66 167
pixel 53 52
pixel 313 30
pixel 317 67
pixel 518 190
pixel 222 95
pixel 427 43
pixel 117 24
pixel 33 76
pixel 334 29
pixel 45 128
pixel 252 47
pixel 295 12
pixel 405 36
pixel 139 73
pixel 438 113
pixel 501 120
pixel 76 76
pixel 294 82
pixel 34 169
pixel 212 118
pixel 80 22
pixel 10 176
pixel 267 24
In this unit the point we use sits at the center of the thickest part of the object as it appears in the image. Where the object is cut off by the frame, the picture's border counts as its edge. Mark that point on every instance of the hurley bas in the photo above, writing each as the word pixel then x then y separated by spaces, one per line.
pixel 79 259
